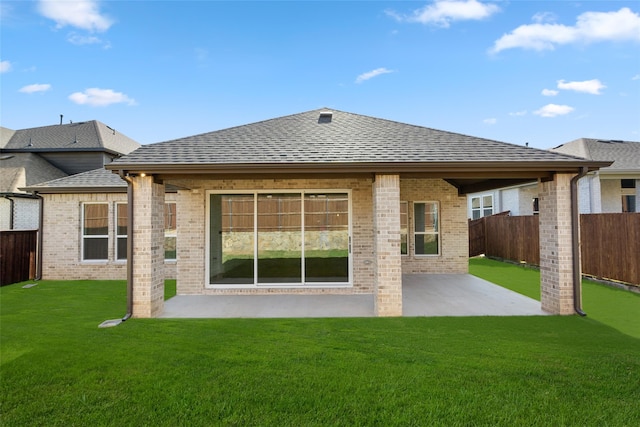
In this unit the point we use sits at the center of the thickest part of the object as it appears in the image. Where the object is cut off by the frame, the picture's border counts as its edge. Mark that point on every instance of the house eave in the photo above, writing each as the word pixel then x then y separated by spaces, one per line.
pixel 424 169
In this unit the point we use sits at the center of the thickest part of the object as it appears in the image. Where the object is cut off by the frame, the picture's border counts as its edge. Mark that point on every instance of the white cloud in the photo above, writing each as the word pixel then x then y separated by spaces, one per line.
pixel 96 97
pixel 371 74
pixel 636 77
pixel 589 86
pixel 543 17
pixel 553 110
pixel 590 27
pixel 37 87
pixel 78 39
pixel 83 14
pixel 443 12
pixel 491 121
pixel 518 113
pixel 5 66
pixel 549 92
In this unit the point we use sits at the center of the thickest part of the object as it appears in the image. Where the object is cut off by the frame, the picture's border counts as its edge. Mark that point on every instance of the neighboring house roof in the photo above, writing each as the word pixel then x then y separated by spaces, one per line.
pixel 5 135
pixel 332 141
pixel 82 136
pixel 624 154
pixel 23 169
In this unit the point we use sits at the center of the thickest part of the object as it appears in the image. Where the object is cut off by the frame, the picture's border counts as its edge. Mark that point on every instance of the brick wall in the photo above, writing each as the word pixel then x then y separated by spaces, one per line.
pixel 61 255
pixel 454 228
pixel 192 218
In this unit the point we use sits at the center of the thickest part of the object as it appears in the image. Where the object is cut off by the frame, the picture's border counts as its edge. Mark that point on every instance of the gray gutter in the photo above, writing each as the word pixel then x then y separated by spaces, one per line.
pixel 130 223
pixel 575 243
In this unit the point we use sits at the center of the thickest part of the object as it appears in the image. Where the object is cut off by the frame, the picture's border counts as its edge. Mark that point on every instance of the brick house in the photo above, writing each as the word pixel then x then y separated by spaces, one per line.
pixel 327 201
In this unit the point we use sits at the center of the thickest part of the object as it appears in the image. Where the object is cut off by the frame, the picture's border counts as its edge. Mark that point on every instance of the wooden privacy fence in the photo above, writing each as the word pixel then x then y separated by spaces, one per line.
pixel 610 243
pixel 17 255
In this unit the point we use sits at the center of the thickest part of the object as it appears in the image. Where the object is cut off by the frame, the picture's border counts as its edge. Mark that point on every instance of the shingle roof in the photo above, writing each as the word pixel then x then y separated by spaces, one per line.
pixel 81 136
pixel 93 181
pixel 5 135
pixel 341 138
pixel 624 154
pixel 23 169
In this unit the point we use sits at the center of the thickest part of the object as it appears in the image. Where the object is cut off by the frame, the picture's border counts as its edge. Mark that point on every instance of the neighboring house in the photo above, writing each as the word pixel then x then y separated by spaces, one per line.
pixel 615 188
pixel 322 202
pixel 34 155
pixel 85 227
pixel 612 189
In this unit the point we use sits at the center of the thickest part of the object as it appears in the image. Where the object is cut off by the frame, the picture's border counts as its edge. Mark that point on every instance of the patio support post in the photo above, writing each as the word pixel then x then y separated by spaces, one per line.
pixel 148 247
pixel 388 262
pixel 556 256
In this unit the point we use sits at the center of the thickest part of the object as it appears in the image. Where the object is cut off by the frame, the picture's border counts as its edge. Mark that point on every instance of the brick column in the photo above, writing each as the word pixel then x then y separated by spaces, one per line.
pixel 556 268
pixel 388 263
pixel 148 247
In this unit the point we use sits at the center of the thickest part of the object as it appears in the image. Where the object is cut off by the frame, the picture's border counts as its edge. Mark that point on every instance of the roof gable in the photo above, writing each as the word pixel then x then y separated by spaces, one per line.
pixel 22 169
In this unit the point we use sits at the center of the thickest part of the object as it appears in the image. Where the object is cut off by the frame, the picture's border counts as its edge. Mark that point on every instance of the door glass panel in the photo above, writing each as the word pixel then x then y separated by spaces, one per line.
pixel 231 251
pixel 326 237
pixel 279 238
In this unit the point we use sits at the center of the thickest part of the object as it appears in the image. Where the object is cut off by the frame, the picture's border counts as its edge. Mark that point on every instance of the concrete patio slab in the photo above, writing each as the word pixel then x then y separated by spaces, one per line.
pixel 423 295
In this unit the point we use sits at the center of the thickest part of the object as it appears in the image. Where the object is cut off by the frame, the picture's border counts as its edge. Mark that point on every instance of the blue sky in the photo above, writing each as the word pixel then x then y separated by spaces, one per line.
pixel 537 72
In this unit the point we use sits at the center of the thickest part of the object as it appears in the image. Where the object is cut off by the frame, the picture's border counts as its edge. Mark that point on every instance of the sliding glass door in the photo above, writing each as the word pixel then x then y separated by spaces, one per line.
pixel 279 238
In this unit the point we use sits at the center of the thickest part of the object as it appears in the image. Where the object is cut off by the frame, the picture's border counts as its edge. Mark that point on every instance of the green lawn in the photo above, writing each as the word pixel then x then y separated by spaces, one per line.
pixel 617 308
pixel 58 368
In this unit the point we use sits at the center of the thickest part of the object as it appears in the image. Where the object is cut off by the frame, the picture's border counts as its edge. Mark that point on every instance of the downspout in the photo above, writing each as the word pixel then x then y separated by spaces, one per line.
pixel 40 237
pixel 129 245
pixel 575 242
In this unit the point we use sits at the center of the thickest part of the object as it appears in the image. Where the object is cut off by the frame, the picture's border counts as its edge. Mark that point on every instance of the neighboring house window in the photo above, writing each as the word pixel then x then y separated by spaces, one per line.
pixel 95 232
pixel 536 206
pixel 426 230
pixel 170 231
pixel 628 189
pixel 481 206
pixel 121 231
pixel 404 228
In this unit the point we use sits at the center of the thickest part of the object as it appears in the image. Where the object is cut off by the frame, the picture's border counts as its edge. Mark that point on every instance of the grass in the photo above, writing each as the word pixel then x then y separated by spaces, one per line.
pixel 617 308
pixel 58 368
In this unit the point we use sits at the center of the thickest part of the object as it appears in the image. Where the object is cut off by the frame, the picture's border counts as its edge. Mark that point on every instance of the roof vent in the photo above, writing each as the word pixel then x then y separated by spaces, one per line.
pixel 325 116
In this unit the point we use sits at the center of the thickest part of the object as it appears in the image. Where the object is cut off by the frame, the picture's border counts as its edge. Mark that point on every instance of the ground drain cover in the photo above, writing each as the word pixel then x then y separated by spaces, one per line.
pixel 110 323
pixel 29 285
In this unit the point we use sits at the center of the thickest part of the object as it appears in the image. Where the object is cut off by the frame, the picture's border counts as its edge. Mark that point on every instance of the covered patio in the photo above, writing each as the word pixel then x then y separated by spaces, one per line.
pixel 424 295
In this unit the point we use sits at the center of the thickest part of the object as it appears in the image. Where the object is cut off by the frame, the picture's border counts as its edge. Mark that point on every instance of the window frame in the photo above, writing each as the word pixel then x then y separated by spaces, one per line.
pixel 168 234
pixel 404 233
pixel 118 236
pixel 437 233
pixel 256 284
pixel 481 208
pixel 84 236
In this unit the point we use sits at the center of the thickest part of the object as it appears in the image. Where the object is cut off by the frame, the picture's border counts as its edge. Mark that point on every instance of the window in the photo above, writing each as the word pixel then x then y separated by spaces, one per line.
pixel 279 238
pixel 536 206
pixel 95 232
pixel 170 231
pixel 426 229
pixel 481 206
pixel 404 228
pixel 628 187
pixel 121 231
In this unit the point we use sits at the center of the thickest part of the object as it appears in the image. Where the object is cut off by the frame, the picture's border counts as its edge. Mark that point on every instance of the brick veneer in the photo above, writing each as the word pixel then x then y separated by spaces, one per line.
pixel 61 257
pixel 556 268
pixel 192 218
pixel 386 229
pixel 148 247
